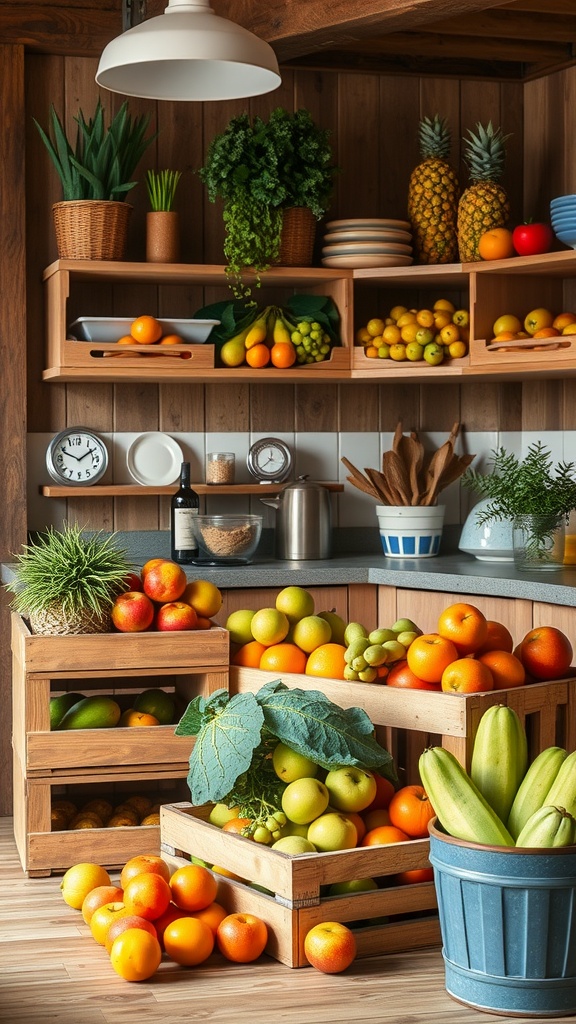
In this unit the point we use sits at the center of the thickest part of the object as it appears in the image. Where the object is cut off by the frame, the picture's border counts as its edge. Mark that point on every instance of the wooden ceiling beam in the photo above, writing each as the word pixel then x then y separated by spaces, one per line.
pixel 446 47
pixel 510 24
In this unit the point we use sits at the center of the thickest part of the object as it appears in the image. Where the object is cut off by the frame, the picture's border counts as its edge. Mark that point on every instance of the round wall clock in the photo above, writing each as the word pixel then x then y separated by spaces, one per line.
pixel 77 456
pixel 270 460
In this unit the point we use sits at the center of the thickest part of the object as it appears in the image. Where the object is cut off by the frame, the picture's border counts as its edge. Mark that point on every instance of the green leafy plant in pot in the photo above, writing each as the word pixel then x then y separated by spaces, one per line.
pixel 536 495
pixel 96 174
pixel 261 169
pixel 65 582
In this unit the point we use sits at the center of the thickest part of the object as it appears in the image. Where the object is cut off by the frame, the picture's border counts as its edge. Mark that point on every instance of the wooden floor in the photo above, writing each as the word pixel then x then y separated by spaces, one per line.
pixel 52 970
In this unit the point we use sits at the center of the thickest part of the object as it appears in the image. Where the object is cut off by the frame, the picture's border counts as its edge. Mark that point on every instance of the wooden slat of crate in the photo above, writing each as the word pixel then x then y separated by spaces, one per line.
pixel 453 717
pixel 520 358
pixel 289 921
pixel 152 358
pixel 200 649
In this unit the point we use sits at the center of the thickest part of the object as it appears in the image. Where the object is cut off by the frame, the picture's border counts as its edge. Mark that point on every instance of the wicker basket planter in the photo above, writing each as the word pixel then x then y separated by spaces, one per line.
pixel 88 229
pixel 298 235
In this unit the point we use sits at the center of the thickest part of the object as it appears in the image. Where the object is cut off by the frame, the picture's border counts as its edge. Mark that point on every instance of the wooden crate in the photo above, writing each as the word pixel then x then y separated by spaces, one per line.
pixel 524 355
pixel 298 883
pixel 43 852
pixel 409 720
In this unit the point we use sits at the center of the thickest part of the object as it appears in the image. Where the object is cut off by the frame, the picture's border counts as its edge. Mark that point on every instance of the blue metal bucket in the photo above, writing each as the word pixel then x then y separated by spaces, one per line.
pixel 508 925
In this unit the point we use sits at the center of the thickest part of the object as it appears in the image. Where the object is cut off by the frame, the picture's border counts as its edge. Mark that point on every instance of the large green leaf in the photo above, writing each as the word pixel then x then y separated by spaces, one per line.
pixel 224 749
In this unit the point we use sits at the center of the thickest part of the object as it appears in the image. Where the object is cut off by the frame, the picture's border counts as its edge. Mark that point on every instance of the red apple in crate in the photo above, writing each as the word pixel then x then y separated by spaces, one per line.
pixel 176 615
pixel 133 582
pixel 165 582
pixel 545 652
pixel 132 612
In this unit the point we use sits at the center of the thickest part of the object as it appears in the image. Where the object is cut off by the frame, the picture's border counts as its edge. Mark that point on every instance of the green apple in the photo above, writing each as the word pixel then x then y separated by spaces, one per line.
pixel 292 829
pixel 239 625
pixel 381 635
pixel 434 353
pixel 401 625
pixel 350 788
pixel 395 649
pixel 332 831
pixel 304 799
pixel 407 637
pixel 353 631
pixel 415 349
pixel 220 814
pixel 289 765
pixel 354 885
pixel 293 845
pixel 337 625
pixel 424 336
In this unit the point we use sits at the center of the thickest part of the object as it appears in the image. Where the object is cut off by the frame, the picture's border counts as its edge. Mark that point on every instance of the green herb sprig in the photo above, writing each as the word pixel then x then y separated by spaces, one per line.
pixel 532 486
pixel 161 187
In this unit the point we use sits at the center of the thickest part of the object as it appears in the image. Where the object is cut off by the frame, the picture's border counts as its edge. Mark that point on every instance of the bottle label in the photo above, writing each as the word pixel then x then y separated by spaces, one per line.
pixel 184 538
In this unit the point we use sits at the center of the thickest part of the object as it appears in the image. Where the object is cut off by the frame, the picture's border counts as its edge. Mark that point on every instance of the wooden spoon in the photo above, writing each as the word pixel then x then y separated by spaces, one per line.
pixel 359 480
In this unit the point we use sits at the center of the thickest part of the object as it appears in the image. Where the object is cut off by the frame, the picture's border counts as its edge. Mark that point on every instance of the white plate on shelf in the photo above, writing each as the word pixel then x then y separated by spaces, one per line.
pixel 365 236
pixel 110 329
pixel 363 248
pixel 154 459
pixel 366 223
pixel 350 262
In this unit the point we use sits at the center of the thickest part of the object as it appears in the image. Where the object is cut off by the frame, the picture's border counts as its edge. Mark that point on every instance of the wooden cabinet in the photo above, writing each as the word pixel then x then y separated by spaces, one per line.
pixel 488 289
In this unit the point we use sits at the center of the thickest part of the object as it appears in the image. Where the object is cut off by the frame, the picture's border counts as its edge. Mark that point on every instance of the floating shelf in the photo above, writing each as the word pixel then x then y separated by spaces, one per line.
pixel 142 491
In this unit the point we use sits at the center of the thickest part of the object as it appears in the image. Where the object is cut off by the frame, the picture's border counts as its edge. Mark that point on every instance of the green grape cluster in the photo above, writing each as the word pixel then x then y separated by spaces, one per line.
pixel 311 341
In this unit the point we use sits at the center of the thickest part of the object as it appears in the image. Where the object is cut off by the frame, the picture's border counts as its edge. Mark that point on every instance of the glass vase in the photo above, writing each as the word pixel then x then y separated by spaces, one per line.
pixel 538 542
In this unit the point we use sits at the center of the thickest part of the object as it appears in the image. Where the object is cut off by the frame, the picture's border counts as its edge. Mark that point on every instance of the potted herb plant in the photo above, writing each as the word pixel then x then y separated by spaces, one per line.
pixel 536 495
pixel 91 222
pixel 162 221
pixel 65 582
pixel 263 171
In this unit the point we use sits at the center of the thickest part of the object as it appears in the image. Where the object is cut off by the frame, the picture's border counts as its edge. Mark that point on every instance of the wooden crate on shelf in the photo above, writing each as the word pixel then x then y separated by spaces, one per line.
pixel 407 721
pixel 390 368
pixel 298 883
pixel 524 355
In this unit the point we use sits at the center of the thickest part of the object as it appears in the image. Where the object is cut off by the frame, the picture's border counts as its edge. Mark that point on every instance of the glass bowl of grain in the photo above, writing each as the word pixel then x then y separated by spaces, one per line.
pixel 227 539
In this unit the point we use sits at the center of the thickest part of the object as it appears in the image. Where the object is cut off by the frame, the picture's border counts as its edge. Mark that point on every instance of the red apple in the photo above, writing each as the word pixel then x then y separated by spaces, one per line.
pixel 133 581
pixel 132 612
pixel 532 239
pixel 546 653
pixel 176 615
pixel 166 581
pixel 330 947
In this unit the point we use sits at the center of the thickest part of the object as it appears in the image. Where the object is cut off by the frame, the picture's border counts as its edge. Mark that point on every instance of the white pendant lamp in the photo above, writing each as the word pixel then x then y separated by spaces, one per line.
pixel 188 53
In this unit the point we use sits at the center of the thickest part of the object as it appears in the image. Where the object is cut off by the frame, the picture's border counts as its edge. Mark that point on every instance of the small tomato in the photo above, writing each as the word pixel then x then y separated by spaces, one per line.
pixel 531 239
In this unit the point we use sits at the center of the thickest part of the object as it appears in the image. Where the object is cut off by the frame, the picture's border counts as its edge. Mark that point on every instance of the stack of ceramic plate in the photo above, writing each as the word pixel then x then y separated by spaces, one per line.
pixel 369 242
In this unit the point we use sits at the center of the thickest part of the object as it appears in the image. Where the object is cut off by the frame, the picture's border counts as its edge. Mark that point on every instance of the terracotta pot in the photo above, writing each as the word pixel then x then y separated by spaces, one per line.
pixel 162 236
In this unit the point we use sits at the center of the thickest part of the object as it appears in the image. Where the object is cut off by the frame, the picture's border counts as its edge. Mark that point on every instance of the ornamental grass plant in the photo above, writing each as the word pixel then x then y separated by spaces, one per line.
pixel 161 187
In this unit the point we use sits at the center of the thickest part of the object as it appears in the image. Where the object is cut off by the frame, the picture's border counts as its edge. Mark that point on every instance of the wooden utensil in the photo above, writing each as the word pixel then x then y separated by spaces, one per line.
pixel 359 480
pixel 437 466
pixel 387 494
pixel 396 479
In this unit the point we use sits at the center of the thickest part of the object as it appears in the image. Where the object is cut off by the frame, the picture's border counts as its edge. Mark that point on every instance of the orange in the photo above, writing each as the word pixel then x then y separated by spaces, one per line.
pixel 327 661
pixel 144 862
pixel 172 339
pixel 465 625
pixel 258 356
pixel 212 915
pixel 428 656
pixel 131 718
pixel 120 924
pixel 172 913
pixel 384 793
pixel 79 880
pixel 188 941
pixel 193 887
pixel 410 810
pixel 242 937
pixel 546 653
pixel 283 658
pixel 249 654
pixel 467 675
pixel 147 895
pixel 374 819
pixel 104 917
pixel 384 834
pixel 135 955
pixel 402 676
pixel 126 339
pixel 507 670
pixel 499 638
pixel 146 330
pixel 496 244
pixel 98 897
pixel 358 822
pixel 283 354
pixel 236 825
pixel 204 596
pixel 415 875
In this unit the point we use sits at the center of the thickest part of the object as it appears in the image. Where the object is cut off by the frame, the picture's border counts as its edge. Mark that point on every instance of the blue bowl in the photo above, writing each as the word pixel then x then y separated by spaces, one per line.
pixel 568 237
pixel 569 200
pixel 569 221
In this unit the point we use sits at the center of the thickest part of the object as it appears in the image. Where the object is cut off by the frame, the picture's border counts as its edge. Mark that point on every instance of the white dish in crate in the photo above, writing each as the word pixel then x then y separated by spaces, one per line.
pixel 110 329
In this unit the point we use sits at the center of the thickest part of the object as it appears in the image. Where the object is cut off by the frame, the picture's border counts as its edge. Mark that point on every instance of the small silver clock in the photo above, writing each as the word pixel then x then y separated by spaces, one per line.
pixel 77 456
pixel 270 460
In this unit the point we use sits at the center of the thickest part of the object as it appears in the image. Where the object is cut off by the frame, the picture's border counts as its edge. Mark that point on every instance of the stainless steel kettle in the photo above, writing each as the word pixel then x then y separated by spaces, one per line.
pixel 303 520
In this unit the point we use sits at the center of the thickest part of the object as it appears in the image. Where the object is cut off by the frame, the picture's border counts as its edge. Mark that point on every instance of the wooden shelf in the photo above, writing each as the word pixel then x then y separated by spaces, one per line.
pixel 142 491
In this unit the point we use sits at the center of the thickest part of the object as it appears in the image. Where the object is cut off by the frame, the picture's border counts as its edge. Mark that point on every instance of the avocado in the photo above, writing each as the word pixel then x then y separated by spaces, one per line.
pixel 60 705
pixel 156 702
pixel 92 713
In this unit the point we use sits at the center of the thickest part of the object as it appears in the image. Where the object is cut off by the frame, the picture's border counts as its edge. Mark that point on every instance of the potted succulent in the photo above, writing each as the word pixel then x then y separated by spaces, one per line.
pixel 264 171
pixel 162 221
pixel 536 495
pixel 65 582
pixel 92 220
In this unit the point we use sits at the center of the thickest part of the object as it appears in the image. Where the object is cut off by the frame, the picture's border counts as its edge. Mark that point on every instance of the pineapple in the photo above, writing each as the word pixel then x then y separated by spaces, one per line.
pixel 433 196
pixel 484 204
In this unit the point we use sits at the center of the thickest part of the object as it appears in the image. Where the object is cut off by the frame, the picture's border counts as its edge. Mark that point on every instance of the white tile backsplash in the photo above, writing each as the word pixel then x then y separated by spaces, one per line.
pixel 316 455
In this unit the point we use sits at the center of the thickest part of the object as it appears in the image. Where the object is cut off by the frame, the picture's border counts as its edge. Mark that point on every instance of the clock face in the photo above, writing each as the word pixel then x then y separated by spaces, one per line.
pixel 270 460
pixel 77 456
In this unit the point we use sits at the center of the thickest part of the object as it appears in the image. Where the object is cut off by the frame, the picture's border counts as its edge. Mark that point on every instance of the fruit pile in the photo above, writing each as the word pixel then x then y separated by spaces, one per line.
pixel 540 325
pixel 151 914
pixel 145 331
pixel 272 339
pixel 504 800
pixel 68 815
pixel 416 335
pixel 160 598
pixel 76 711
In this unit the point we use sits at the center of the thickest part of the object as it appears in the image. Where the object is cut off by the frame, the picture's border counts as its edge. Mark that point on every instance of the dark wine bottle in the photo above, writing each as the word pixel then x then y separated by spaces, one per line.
pixel 183 507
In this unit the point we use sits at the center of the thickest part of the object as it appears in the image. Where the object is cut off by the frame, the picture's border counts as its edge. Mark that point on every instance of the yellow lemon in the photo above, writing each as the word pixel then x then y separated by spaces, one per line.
pixel 205 598
pixel 375 326
pixel 446 305
pixel 79 880
pixel 397 311
pixel 409 331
